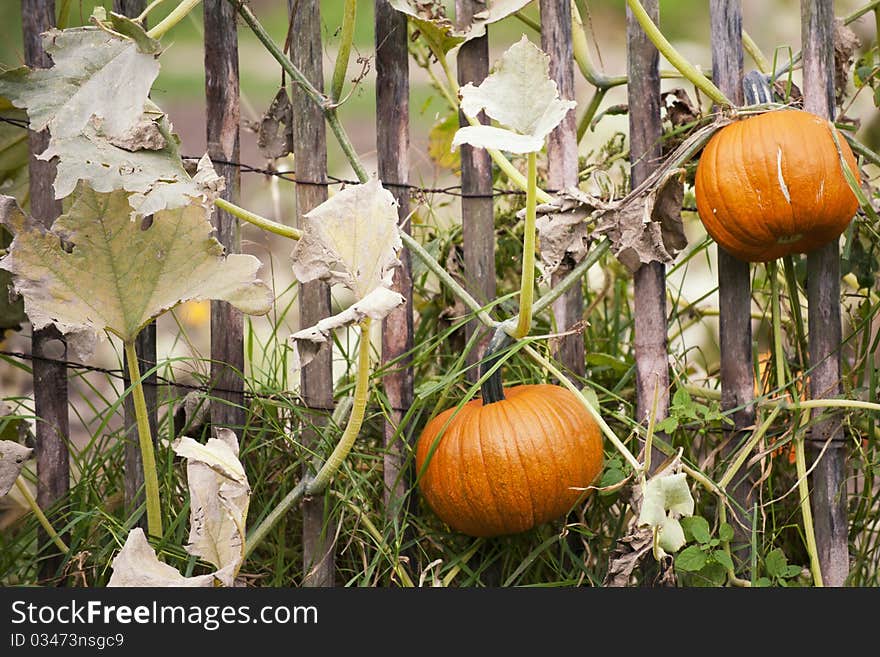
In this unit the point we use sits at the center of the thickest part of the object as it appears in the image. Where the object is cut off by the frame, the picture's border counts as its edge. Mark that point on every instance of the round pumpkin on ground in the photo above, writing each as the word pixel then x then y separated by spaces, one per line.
pixel 505 467
pixel 772 185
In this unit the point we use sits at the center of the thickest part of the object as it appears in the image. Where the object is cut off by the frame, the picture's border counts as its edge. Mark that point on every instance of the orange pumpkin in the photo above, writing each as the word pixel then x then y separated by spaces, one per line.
pixel 501 467
pixel 772 185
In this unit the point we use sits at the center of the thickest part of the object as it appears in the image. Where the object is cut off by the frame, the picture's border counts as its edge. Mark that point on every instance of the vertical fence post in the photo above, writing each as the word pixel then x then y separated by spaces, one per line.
pixel 825 334
pixel 316 387
pixel 223 117
pixel 734 284
pixel 645 129
pixel 392 143
pixel 562 170
pixel 477 213
pixel 145 346
pixel 50 377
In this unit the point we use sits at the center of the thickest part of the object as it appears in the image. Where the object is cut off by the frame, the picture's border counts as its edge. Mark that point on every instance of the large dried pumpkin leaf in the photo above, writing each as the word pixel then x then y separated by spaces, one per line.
pixel 96 269
pixel 12 459
pixel 95 74
pixel 219 497
pixel 137 565
pixel 351 239
pixel 646 226
pixel 520 95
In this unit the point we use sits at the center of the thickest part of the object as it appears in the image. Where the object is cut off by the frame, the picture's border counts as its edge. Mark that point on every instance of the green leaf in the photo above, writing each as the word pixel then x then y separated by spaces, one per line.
pixel 791 570
pixel 440 143
pixel 697 528
pixel 691 559
pixel 521 96
pixel 775 562
pixel 723 558
pixel 96 269
pixel 667 425
pixel 762 582
pixel 725 532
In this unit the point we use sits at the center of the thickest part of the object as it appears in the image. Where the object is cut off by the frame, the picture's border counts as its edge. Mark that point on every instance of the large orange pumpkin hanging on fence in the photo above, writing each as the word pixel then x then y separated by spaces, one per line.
pixel 772 185
pixel 510 461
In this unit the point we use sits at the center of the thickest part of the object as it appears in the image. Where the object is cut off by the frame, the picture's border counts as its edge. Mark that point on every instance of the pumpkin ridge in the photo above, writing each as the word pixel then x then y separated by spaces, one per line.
pixel 588 448
pixel 477 503
pixel 784 225
pixel 525 463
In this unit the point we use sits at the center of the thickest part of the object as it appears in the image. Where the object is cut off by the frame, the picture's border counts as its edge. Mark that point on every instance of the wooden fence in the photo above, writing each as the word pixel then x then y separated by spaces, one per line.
pixel 392 145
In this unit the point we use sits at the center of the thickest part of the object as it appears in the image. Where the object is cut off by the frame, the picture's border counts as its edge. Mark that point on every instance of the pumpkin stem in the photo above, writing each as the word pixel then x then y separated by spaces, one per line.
pixel 492 389
pixel 756 89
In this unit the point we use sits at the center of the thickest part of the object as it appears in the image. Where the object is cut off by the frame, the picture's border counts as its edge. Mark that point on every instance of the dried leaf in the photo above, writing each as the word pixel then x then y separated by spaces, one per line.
pixel 677 108
pixel 274 137
pixel 137 565
pixel 95 74
pixel 352 239
pixel 521 96
pixel 564 228
pixel 96 269
pixel 219 497
pixel 845 44
pixel 646 227
pixel 440 147
pixel 429 16
pixel 12 460
pixel 627 555
pixel 308 342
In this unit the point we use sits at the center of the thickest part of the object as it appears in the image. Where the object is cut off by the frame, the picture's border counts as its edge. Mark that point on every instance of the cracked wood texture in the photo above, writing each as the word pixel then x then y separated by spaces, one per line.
pixel 145 346
pixel 734 289
pixel 652 369
pixel 477 212
pixel 392 144
pixel 50 378
pixel 316 386
pixel 828 479
pixel 222 104
pixel 562 172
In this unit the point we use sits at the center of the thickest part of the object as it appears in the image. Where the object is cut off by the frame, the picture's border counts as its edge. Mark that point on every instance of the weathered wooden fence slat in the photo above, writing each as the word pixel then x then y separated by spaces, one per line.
pixel 316 383
pixel 223 117
pixel 392 143
pixel 49 348
pixel 562 172
pixel 828 480
pixel 734 282
pixel 649 281
pixel 477 210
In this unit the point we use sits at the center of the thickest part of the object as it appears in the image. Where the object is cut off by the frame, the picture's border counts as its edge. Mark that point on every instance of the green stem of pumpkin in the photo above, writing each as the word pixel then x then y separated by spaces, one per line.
pixel 145 441
pixel 527 284
pixel 674 57
pixel 348 22
pixel 355 420
pixel 39 515
pixel 492 390
pixel 177 14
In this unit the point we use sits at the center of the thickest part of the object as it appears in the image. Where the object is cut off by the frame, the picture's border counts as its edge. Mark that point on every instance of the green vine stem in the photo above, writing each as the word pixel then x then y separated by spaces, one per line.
pixel 674 57
pixel 145 441
pixel 755 53
pixel 261 222
pixel 177 14
pixel 527 284
pixel 806 510
pixel 146 12
pixel 317 484
pixel 297 76
pixel 349 18
pixel 40 516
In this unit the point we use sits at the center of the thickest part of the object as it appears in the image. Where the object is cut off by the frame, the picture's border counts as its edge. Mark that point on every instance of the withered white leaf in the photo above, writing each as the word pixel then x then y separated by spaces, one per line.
pixel 95 74
pixel 646 226
pixel 520 95
pixel 12 459
pixel 308 342
pixel 96 269
pixel 137 565
pixel 667 497
pixel 219 498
